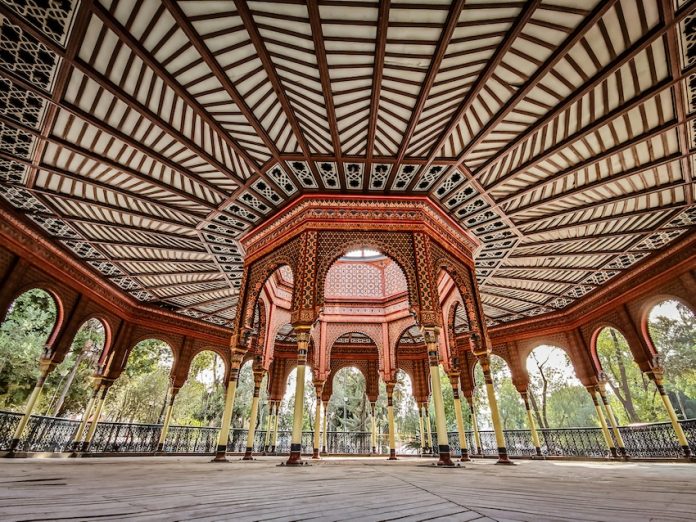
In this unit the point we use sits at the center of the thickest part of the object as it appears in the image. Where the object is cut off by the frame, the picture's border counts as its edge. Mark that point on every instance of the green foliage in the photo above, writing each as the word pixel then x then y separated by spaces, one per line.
pixel 675 339
pixel 348 408
pixel 201 400
pixel 632 395
pixel 557 397
pixel 69 387
pixel 23 334
pixel 140 392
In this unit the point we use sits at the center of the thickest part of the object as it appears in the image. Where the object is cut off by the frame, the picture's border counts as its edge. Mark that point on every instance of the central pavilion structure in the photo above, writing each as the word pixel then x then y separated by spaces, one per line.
pixel 380 184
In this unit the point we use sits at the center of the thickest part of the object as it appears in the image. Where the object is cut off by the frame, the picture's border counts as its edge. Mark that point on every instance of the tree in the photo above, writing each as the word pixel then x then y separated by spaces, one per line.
pixel 675 339
pixel 629 386
pixel 23 335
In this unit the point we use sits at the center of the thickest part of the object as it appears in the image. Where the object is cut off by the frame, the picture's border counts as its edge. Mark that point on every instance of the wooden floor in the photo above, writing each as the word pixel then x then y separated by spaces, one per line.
pixel 191 488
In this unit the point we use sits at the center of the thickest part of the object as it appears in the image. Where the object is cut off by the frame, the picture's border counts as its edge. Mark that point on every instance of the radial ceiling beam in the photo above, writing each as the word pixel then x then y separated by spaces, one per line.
pixel 593 185
pixel 377 74
pixel 428 82
pixel 253 30
pixel 560 53
pixel 125 36
pixel 320 52
pixel 674 62
pixel 60 85
pixel 485 75
pixel 605 202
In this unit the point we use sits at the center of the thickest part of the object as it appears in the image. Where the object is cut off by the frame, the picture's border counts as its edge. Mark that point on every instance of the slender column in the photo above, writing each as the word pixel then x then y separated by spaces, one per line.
pixel 318 386
pixel 474 426
pixel 454 379
pixel 602 421
pixel 612 420
pixel 251 432
pixel 325 423
pixel 276 418
pixel 77 440
pixel 431 335
pixel 173 391
pixel 296 441
pixel 269 425
pixel 46 366
pixel 390 419
pixel 657 375
pixel 420 428
pixel 373 427
pixel 428 429
pixel 224 435
pixel 532 424
pixel 97 415
pixel 495 413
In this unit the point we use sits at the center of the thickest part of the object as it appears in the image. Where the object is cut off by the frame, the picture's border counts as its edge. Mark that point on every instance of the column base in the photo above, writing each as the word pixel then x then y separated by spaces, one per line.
pixel 687 453
pixel 220 454
pixel 538 455
pixel 503 457
pixel 295 458
pixel 248 454
pixel 465 456
pixel 614 453
pixel 445 460
pixel 392 455
pixel 315 454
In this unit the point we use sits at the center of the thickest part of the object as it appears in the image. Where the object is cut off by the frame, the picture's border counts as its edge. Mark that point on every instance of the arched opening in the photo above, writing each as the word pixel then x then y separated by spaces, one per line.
pixel 69 386
pixel 286 407
pixel 244 396
pixel 556 396
pixel 139 394
pixel 672 328
pixel 631 394
pixel 202 398
pixel 510 405
pixel 28 325
pixel 348 409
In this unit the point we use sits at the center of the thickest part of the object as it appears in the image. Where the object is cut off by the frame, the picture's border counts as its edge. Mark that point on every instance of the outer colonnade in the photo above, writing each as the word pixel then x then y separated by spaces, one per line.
pixel 623 304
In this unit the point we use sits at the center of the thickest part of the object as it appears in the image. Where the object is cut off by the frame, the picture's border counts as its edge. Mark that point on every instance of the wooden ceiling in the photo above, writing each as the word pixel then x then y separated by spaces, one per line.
pixel 147 138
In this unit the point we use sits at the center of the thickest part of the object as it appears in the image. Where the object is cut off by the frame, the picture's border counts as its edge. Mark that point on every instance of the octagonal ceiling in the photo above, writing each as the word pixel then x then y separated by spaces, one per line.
pixel 148 138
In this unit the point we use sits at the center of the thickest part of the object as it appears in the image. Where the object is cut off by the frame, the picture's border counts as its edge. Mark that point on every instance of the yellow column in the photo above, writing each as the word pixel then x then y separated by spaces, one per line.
pixel 431 335
pixel 602 421
pixel 325 423
pixel 421 429
pixel 454 380
pixel 45 367
pixel 251 432
pixel 373 427
pixel 657 376
pixel 428 428
pixel 167 419
pixel 474 426
pixel 96 417
pixel 485 361
pixel 318 386
pixel 612 420
pixel 298 411
pixel 269 425
pixel 532 424
pixel 77 440
pixel 390 420
pixel 276 418
pixel 224 435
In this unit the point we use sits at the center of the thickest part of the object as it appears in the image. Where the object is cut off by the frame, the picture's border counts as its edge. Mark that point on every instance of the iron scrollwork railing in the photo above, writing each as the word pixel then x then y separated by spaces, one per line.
pixel 52 434
pixel 119 437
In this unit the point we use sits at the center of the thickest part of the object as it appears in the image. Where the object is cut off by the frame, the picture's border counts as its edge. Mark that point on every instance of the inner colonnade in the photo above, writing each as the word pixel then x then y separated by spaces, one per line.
pixel 384 286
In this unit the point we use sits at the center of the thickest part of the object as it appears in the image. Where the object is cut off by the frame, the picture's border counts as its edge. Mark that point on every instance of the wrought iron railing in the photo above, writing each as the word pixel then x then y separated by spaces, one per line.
pixel 51 434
